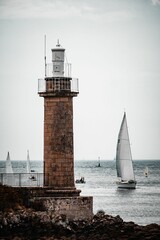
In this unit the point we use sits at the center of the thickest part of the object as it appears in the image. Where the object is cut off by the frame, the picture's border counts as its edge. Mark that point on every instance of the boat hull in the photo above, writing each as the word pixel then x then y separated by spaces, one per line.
pixel 126 185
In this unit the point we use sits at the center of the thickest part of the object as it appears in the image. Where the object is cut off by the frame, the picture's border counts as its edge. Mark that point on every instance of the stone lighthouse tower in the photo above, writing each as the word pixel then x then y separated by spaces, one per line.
pixel 58 89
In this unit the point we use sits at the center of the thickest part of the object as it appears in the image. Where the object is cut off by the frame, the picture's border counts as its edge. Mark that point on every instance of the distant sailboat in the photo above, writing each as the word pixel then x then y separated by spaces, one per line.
pixel 9 172
pixel 28 168
pixel 99 164
pixel 146 171
pixel 124 158
pixel 32 177
pixel 9 168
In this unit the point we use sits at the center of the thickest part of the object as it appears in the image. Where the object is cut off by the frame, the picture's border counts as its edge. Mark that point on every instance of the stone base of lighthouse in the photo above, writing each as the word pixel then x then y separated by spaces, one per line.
pixel 74 208
pixel 63 202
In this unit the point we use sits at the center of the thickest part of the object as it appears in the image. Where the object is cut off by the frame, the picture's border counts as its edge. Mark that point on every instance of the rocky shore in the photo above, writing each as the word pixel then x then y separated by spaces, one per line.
pixel 18 221
pixel 29 224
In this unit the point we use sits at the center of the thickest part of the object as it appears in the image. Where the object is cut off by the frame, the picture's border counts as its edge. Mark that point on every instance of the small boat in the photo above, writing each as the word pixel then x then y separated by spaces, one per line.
pixel 81 180
pixel 124 165
pixel 146 171
pixel 32 177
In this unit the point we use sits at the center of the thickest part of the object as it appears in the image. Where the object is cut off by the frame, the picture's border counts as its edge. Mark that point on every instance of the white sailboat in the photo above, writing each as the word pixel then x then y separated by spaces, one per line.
pixel 10 180
pixel 146 171
pixel 28 167
pixel 99 164
pixel 124 164
pixel 9 168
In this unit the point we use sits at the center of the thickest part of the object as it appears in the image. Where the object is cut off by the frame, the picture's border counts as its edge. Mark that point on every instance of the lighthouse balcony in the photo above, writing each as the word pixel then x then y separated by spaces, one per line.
pixel 58 84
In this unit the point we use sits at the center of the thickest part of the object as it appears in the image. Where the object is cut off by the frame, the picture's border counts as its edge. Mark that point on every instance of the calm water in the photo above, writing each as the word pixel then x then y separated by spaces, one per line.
pixel 141 205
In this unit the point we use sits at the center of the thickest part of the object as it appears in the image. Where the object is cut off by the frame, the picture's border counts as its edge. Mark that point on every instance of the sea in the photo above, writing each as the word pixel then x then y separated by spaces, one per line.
pixel 140 205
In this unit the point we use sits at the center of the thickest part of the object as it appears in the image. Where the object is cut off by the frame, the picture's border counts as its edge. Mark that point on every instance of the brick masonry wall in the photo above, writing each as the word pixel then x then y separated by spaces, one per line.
pixel 58 142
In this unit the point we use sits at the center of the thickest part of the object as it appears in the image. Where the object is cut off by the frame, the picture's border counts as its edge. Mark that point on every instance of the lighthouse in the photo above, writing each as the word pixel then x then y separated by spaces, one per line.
pixel 58 89
pixel 58 92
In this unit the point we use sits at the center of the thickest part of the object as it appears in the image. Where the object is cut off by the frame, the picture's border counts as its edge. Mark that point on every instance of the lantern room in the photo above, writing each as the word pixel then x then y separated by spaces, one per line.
pixel 58 60
pixel 58 78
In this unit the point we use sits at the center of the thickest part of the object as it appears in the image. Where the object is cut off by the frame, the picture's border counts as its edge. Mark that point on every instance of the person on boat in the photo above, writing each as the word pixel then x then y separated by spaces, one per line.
pixel 81 180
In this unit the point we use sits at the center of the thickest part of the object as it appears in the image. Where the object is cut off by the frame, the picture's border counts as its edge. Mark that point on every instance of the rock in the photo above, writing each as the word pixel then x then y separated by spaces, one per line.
pixel 29 224
pixel 4 222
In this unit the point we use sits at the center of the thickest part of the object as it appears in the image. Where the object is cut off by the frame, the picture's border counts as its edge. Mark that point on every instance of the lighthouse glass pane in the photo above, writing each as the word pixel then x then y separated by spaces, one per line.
pixel 58 69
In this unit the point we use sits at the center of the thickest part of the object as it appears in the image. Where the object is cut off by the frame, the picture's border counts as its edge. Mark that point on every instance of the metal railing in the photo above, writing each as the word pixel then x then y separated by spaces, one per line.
pixel 22 179
pixel 58 84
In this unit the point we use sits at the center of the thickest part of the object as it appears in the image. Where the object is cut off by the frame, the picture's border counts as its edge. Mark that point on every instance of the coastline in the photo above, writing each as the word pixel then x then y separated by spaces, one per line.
pixel 29 224
pixel 19 221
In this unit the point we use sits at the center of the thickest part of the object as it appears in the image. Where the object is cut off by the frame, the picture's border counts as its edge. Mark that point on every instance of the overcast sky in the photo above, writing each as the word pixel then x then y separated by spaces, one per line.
pixel 114 48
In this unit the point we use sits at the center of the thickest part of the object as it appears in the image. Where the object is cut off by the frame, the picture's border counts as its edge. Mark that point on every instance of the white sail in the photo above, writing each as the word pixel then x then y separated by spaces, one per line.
pixel 9 168
pixel 28 162
pixel 123 154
